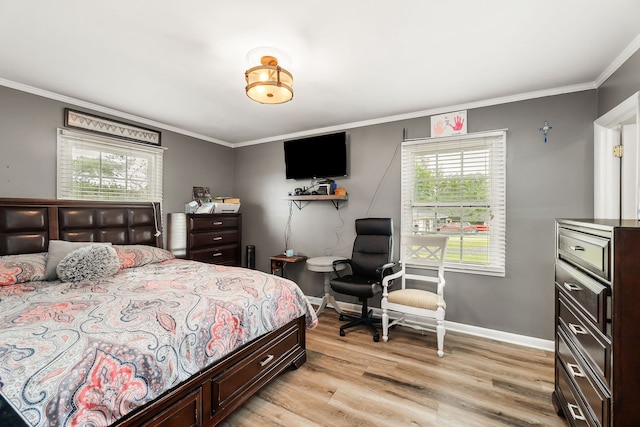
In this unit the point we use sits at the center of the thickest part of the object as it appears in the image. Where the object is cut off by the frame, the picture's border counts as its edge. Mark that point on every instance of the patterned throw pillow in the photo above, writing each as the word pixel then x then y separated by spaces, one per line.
pixel 22 268
pixel 138 255
pixel 88 263
pixel 58 249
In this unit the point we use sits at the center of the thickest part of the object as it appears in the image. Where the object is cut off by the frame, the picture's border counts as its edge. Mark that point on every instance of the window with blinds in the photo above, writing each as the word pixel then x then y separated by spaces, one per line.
pixel 92 167
pixel 456 186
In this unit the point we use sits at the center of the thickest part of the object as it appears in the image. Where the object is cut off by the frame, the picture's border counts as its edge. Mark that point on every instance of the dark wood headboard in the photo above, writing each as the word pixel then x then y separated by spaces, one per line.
pixel 27 225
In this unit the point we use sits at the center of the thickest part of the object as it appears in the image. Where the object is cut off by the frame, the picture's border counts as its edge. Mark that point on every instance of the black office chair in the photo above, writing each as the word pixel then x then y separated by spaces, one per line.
pixel 370 262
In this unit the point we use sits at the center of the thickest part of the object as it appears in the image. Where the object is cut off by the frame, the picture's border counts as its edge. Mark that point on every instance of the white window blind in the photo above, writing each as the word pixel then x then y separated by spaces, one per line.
pixel 92 167
pixel 457 186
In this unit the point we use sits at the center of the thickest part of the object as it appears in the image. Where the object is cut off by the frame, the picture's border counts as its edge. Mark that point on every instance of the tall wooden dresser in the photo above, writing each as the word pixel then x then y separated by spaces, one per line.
pixel 212 238
pixel 597 289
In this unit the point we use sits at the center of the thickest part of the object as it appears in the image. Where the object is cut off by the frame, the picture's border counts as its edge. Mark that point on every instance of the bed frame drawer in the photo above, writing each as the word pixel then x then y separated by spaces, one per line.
pixel 248 375
pixel 186 412
pixel 213 394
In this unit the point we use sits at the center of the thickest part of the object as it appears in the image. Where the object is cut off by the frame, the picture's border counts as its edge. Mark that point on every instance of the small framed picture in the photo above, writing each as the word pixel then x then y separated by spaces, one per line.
pixel 201 194
pixel 449 124
pixel 80 120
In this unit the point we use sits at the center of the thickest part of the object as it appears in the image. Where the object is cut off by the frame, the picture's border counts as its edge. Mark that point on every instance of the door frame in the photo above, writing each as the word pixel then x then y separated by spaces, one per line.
pixel 616 181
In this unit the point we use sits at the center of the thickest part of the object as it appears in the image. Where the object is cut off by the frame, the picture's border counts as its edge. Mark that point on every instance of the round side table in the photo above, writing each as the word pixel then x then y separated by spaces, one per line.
pixel 324 264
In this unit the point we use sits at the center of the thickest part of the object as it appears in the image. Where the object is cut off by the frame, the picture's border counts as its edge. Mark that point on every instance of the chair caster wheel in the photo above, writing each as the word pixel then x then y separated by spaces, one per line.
pixel 376 338
pixel 341 333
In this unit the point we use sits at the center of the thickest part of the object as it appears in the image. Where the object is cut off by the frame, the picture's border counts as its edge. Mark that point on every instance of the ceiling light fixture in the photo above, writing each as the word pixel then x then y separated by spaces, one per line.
pixel 269 83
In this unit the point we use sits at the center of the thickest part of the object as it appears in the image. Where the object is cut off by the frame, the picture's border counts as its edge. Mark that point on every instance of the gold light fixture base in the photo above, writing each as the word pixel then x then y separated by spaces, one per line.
pixel 269 60
pixel 269 83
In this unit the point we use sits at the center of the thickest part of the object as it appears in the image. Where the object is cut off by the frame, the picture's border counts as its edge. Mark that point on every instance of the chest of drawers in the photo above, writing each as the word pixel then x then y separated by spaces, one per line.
pixel 212 238
pixel 597 297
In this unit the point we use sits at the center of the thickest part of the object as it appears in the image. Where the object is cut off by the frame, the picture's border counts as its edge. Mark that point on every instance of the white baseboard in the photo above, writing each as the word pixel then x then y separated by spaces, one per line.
pixel 493 334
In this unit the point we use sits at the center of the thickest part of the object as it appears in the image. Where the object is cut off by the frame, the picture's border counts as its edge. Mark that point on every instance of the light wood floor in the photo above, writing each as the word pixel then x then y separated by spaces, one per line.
pixel 353 381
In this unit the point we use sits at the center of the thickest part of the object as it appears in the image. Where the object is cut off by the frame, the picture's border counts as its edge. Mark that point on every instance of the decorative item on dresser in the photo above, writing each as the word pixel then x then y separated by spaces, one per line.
pixel 597 287
pixel 212 238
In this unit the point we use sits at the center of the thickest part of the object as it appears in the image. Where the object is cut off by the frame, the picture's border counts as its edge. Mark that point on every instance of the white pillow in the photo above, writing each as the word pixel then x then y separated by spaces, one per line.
pixel 88 263
pixel 59 249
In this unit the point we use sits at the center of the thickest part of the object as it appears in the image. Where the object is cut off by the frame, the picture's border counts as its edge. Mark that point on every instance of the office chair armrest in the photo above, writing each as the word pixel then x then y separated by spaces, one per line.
pixel 337 262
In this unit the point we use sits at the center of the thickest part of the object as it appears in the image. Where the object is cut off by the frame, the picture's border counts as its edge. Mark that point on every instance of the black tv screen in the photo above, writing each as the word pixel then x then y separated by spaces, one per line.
pixel 321 156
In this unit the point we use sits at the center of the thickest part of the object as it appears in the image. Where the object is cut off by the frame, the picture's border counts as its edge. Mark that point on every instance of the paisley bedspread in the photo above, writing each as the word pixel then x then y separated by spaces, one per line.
pixel 86 353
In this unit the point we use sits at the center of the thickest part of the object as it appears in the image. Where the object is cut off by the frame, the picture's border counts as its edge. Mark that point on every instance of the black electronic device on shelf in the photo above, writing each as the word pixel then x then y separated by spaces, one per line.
pixel 300 192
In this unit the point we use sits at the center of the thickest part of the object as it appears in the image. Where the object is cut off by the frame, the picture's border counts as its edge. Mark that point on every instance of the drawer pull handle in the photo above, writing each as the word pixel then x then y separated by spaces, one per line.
pixel 576 248
pixel 267 360
pixel 575 411
pixel 217 223
pixel 578 329
pixel 217 238
pixel 575 370
pixel 218 254
pixel 571 287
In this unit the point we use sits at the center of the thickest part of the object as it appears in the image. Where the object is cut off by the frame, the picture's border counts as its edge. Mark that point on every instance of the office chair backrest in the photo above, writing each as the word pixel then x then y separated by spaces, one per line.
pixel 372 247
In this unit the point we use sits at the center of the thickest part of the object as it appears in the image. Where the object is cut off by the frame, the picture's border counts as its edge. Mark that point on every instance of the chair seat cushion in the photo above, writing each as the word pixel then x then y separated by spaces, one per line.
pixel 356 286
pixel 414 298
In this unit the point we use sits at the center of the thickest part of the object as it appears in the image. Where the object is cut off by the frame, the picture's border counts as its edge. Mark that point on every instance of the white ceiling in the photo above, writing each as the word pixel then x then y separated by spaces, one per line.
pixel 180 64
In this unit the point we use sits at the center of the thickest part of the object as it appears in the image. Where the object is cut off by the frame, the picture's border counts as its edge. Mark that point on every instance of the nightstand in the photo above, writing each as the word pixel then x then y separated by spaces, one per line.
pixel 279 262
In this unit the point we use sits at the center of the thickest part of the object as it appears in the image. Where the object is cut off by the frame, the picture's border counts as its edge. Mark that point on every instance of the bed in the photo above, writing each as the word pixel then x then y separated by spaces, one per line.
pixel 127 334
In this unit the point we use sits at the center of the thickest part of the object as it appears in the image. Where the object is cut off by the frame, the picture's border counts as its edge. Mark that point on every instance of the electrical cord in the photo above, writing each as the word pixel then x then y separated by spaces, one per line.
pixel 339 245
pixel 155 220
pixel 287 229
pixel 375 194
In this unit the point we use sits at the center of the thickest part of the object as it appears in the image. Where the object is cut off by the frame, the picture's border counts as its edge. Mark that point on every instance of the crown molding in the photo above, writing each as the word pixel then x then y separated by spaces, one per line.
pixel 426 113
pixel 620 59
pixel 120 114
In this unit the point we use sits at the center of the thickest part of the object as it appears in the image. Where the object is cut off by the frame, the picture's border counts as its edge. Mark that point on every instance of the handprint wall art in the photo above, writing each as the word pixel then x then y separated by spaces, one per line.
pixel 449 124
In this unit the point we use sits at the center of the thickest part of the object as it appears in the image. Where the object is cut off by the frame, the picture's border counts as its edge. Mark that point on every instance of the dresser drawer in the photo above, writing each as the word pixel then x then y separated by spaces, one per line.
pixel 573 406
pixel 587 251
pixel 225 255
pixel 586 293
pixel 593 345
pixel 206 223
pixel 215 238
pixel 596 397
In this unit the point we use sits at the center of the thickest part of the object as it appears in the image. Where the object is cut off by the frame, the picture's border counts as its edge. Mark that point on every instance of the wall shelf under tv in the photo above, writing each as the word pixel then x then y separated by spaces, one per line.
pixel 298 200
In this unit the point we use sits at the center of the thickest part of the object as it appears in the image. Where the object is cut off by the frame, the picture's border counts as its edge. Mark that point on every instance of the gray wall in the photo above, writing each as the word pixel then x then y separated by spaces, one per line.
pixel 28 153
pixel 621 85
pixel 544 181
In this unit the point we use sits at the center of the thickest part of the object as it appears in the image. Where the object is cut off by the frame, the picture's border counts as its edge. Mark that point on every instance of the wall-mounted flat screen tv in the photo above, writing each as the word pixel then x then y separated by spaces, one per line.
pixel 323 156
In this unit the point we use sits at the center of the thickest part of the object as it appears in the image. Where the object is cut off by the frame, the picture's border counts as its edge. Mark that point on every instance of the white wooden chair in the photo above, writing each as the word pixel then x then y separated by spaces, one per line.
pixel 409 300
